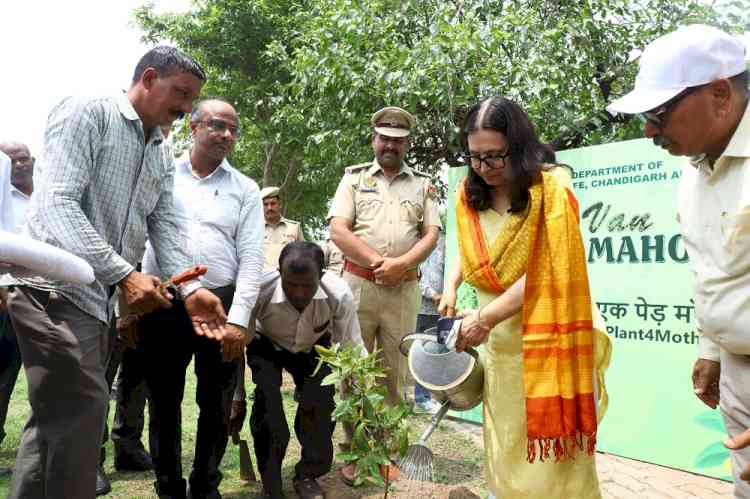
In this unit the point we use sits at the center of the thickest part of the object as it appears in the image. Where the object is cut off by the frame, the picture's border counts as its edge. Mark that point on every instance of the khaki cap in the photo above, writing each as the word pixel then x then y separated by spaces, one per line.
pixel 269 192
pixel 393 122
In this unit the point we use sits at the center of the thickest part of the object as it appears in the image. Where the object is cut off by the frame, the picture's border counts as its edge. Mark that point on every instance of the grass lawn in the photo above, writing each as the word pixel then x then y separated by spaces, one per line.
pixel 458 455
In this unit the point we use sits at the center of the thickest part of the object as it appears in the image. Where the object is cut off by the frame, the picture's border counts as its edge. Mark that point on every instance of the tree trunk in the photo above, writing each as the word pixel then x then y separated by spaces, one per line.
pixel 268 165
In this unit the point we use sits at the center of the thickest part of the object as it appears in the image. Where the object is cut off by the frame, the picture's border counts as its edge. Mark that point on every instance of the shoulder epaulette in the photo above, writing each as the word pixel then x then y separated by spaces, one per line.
pixel 289 221
pixel 357 168
pixel 420 174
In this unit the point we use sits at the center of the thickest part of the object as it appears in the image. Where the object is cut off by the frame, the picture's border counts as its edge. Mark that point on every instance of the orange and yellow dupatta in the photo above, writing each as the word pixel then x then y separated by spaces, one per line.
pixel 544 243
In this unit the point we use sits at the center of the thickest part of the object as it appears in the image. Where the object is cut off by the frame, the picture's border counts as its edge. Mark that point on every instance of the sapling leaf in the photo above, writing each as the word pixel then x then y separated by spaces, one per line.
pixel 347 456
pixel 331 379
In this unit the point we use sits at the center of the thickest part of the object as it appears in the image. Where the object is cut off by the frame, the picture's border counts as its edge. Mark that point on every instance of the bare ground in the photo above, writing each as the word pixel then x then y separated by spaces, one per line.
pixel 457 448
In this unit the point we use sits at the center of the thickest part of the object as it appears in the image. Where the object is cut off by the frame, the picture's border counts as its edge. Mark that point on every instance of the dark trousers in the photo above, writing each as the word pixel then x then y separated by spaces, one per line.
pixel 131 395
pixel 169 343
pixel 64 353
pixel 10 365
pixel 424 322
pixel 312 423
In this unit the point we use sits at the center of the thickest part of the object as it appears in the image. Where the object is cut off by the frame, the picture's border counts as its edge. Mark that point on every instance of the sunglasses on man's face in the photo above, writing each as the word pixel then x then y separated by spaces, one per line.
pixel 658 116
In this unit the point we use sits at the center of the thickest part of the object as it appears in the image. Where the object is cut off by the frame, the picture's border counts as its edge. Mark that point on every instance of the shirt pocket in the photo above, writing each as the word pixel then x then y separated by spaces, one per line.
pixel 368 208
pixel 322 328
pixel 151 187
pixel 153 180
pixel 412 212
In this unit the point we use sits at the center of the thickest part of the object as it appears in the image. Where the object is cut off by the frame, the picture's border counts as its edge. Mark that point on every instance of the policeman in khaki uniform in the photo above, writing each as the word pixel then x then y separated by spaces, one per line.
pixel 384 218
pixel 280 231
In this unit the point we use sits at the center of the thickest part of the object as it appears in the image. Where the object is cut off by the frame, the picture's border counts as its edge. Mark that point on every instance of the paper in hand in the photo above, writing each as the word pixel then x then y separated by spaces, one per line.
pixel 42 259
pixel 450 340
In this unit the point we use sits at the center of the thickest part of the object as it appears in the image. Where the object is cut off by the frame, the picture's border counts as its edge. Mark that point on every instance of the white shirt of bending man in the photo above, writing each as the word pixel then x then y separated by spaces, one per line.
pixel 330 311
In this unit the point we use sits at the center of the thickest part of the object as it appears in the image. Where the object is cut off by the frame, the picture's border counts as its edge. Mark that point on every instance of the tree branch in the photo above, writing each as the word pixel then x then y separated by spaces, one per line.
pixel 268 165
pixel 291 174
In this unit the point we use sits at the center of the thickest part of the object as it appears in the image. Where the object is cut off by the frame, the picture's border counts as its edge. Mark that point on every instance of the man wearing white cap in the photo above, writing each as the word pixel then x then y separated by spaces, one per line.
pixel 692 91
pixel 280 231
pixel 384 218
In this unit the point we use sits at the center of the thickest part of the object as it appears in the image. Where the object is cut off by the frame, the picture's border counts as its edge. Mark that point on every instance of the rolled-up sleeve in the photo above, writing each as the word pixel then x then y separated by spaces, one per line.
pixel 71 146
pixel 431 215
pixel 250 234
pixel 343 201
pixel 707 348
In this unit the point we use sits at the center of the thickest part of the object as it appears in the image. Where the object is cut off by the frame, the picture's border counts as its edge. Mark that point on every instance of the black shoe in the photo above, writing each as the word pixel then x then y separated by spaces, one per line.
pixel 308 488
pixel 103 486
pixel 170 490
pixel 135 460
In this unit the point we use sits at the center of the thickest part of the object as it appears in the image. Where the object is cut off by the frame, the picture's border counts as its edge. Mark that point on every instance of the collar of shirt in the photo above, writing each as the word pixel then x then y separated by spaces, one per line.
pixel 375 168
pixel 184 161
pixel 129 113
pixel 279 296
pixel 17 192
pixel 738 147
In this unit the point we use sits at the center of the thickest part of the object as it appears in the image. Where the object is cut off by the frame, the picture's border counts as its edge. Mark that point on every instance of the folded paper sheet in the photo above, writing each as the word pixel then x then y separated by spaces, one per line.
pixel 43 259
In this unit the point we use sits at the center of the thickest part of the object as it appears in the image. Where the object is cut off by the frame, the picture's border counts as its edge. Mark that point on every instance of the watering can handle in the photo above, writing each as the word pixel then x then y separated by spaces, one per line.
pixel 427 337
pixel 411 337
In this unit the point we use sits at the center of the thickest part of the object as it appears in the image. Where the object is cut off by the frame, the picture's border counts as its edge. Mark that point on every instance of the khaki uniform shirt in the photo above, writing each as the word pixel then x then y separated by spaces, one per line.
pixel 331 311
pixel 714 214
pixel 278 236
pixel 334 258
pixel 388 215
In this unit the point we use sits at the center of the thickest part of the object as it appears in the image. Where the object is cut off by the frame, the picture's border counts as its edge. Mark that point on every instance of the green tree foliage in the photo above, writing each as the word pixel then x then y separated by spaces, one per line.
pixel 306 75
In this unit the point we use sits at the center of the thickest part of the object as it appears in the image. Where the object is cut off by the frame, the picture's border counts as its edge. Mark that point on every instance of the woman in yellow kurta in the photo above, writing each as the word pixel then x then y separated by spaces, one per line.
pixel 521 247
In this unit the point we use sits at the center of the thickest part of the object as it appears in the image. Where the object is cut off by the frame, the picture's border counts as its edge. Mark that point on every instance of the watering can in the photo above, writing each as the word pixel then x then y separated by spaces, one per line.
pixel 450 376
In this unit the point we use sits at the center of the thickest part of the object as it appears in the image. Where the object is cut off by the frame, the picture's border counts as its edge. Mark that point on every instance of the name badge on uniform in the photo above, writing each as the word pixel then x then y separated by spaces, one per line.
pixel 432 192
pixel 368 184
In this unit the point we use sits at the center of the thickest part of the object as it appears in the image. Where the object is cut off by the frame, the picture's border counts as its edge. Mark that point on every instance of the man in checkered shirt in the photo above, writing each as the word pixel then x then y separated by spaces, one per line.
pixel 101 185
